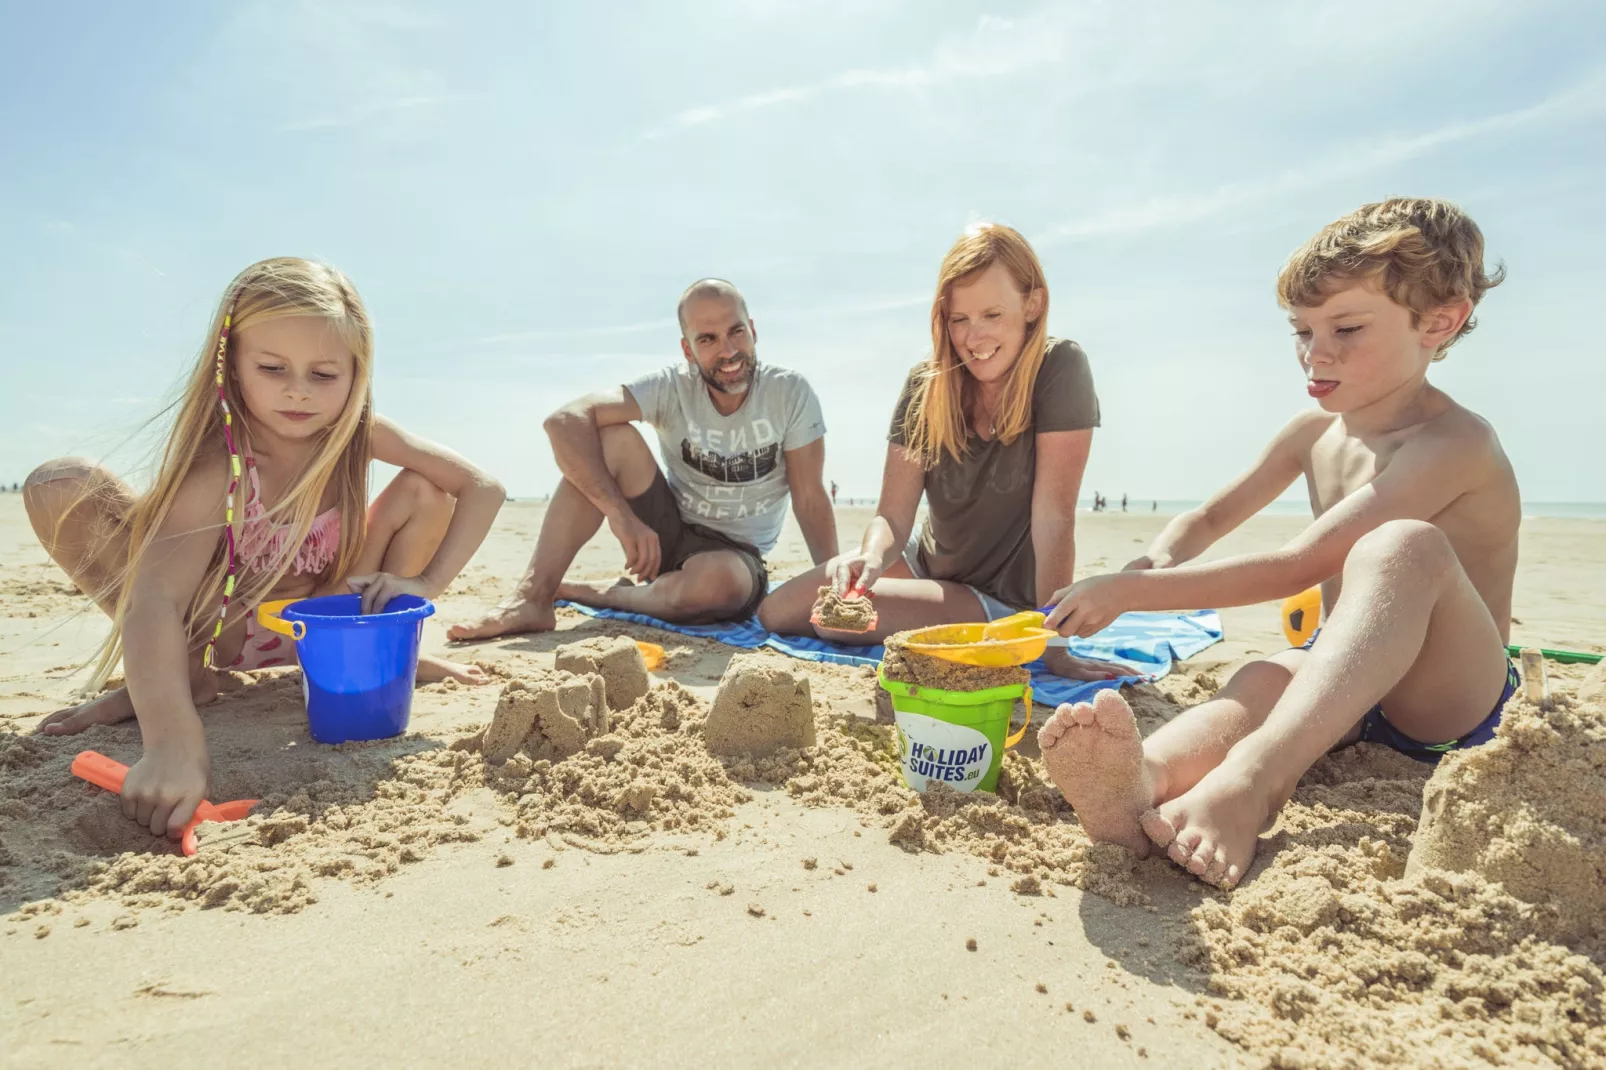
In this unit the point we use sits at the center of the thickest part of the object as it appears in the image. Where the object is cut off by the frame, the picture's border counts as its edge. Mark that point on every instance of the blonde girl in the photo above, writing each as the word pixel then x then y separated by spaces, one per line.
pixel 262 493
pixel 994 430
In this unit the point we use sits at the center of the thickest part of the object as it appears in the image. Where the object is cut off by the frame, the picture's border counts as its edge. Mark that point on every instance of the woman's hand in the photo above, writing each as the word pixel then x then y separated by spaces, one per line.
pixel 168 782
pixel 854 572
pixel 1088 606
pixel 378 588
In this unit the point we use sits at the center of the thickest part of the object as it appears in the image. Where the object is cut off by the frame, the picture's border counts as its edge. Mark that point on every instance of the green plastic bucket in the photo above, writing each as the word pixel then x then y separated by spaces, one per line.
pixel 957 737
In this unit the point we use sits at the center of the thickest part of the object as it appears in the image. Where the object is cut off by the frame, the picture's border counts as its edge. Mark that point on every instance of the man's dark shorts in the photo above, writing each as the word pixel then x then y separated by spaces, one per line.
pixel 680 539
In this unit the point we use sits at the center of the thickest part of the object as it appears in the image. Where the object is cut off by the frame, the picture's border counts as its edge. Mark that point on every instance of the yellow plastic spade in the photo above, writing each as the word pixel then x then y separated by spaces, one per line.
pixel 1013 640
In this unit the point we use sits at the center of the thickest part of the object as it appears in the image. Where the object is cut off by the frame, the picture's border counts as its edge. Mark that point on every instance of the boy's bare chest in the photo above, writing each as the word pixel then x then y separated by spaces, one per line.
pixel 1341 465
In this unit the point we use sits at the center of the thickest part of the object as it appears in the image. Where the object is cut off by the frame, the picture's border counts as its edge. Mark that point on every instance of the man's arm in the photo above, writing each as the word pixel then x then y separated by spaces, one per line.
pixel 1273 472
pixel 805 475
pixel 576 434
pixel 1423 478
pixel 1061 460
pixel 575 431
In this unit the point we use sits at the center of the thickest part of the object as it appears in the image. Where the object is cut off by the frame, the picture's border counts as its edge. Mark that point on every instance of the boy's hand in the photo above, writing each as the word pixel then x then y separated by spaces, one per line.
pixel 378 588
pixel 1087 606
pixel 165 786
pixel 643 553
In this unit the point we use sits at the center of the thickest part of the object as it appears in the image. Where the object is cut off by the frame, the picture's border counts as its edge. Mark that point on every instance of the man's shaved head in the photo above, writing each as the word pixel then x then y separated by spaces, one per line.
pixel 709 288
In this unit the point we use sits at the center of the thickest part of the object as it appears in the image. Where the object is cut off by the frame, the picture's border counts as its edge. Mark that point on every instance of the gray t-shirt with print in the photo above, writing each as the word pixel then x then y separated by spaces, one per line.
pixel 729 472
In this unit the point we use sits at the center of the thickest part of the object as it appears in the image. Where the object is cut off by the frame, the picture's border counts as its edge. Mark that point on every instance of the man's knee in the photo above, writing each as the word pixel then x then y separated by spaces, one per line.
pixel 627 458
pixel 1413 544
pixel 710 587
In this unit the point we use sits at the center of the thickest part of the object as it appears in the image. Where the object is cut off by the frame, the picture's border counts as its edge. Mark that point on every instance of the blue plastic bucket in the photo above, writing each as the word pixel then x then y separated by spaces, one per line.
pixel 357 668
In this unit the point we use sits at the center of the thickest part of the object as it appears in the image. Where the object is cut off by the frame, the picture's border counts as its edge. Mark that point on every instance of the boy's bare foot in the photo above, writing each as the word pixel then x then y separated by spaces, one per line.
pixel 432 669
pixel 1095 757
pixel 520 615
pixel 115 706
pixel 1213 829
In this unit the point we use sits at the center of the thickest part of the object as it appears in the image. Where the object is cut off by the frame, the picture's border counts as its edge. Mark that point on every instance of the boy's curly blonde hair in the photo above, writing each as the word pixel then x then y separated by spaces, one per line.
pixel 1422 252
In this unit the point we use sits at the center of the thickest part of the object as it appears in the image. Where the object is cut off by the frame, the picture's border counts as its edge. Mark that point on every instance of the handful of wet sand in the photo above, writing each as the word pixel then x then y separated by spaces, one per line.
pixel 844 614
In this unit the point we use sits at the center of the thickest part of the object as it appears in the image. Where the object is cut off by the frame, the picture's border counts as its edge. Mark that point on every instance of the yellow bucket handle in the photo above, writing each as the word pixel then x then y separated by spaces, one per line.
pixel 268 617
pixel 1015 737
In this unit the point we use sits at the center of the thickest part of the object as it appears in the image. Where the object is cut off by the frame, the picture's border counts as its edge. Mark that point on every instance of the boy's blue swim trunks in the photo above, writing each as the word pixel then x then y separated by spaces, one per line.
pixel 1376 728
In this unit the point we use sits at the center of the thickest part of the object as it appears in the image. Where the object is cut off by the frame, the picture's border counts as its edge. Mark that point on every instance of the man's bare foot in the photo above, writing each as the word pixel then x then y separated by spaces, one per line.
pixel 509 617
pixel 1095 757
pixel 1213 829
pixel 432 669
pixel 115 706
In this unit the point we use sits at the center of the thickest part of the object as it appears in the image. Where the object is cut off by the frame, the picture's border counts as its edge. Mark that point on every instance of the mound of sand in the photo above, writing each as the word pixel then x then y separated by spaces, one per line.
pixel 844 614
pixel 617 660
pixel 650 773
pixel 905 666
pixel 546 715
pixel 1528 811
pixel 1334 955
pixel 762 705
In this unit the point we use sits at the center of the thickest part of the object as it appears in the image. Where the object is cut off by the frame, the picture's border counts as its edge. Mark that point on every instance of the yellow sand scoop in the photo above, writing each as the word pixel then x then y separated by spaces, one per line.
pixel 1013 640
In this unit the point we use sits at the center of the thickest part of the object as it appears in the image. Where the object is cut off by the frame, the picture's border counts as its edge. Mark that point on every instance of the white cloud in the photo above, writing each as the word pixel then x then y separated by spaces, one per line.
pixel 1588 97
pixel 995 48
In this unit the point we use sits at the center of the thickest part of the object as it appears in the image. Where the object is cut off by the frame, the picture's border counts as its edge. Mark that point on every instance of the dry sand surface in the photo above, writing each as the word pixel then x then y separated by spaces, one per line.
pixel 605 891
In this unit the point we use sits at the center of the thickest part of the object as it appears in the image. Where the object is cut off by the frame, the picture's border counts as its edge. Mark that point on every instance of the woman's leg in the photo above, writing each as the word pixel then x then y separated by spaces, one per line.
pixel 77 509
pixel 901 602
pixel 405 526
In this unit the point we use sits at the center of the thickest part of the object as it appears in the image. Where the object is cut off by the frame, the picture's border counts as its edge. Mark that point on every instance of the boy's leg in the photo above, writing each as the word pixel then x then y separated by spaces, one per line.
pixel 1111 776
pixel 1409 631
pixel 571 520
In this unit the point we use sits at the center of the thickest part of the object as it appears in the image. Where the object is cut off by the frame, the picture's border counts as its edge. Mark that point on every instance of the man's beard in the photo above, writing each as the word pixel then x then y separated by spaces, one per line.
pixel 739 386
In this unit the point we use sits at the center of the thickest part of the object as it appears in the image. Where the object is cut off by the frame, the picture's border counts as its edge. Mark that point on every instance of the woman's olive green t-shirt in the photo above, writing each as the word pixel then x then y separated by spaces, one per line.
pixel 978 528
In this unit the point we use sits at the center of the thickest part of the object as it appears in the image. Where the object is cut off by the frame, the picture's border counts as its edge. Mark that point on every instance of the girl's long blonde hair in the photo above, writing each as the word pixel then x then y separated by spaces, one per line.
pixel 267 290
pixel 935 420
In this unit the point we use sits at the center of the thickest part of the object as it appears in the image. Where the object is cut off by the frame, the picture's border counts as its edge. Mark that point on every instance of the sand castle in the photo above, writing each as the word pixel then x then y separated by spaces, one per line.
pixel 762 706
pixel 617 660
pixel 549 715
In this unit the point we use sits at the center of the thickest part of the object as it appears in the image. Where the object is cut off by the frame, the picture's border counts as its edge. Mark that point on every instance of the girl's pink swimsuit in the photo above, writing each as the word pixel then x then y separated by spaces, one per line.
pixel 262 545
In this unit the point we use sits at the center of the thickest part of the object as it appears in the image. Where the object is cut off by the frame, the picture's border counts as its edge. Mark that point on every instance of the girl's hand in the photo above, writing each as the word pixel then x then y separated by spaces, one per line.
pixel 1087 606
pixel 1139 564
pixel 853 572
pixel 378 588
pixel 168 782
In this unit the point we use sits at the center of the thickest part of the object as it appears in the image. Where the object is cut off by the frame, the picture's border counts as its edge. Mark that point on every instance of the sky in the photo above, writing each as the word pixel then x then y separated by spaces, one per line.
pixel 521 192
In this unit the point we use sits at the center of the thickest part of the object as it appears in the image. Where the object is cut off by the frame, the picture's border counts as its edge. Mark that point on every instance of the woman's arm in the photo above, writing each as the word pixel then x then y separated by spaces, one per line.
pixel 903 481
pixel 1061 460
pixel 479 498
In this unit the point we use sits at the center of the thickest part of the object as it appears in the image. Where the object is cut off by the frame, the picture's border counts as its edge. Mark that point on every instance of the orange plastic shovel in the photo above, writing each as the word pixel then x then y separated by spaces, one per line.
pixel 102 772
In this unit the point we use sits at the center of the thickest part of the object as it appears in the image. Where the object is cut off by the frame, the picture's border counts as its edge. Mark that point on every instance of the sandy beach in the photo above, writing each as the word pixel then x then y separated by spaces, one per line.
pixel 644 903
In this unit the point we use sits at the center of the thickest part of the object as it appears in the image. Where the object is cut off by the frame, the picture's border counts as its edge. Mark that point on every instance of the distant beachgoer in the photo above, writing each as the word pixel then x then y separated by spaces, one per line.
pixel 739 439
pixel 291 349
pixel 993 429
pixel 1422 539
pixel 1123 503
pixel 833 492
pixel 1156 508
